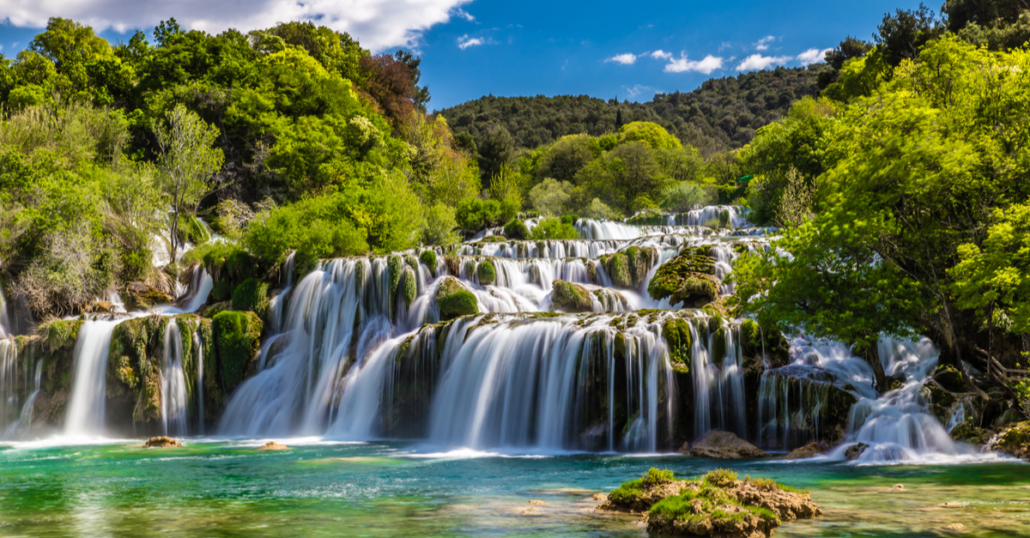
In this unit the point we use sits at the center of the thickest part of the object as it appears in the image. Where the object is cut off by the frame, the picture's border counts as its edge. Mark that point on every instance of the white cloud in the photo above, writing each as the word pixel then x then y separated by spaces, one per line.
pixel 813 56
pixel 682 64
pixel 625 59
pixel 661 55
pixel 639 89
pixel 757 61
pixel 465 42
pixel 763 44
pixel 378 24
pixel 464 14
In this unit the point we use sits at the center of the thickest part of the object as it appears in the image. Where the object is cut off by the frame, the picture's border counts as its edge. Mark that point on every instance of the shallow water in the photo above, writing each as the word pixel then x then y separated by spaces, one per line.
pixel 223 488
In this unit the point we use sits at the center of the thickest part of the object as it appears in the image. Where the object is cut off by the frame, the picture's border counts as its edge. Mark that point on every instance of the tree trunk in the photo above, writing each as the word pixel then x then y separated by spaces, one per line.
pixel 871 354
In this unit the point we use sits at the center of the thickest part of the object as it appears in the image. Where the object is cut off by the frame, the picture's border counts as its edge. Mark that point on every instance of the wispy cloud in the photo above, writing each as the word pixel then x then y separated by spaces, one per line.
pixel 813 56
pixel 661 55
pixel 763 44
pixel 465 42
pixel 757 62
pixel 683 65
pixel 458 12
pixel 639 89
pixel 625 59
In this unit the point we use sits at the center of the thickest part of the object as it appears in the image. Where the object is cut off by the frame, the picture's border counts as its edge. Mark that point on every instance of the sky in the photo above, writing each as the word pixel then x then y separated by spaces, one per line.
pixel 471 48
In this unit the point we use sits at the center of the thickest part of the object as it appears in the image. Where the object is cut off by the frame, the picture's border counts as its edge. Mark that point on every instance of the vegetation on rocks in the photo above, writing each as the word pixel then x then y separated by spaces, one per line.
pixel 453 300
pixel 251 296
pixel 486 272
pixel 688 279
pixel 569 297
pixel 237 338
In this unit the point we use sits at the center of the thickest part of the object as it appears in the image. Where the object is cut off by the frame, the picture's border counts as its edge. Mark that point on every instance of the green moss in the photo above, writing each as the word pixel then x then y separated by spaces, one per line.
pixel 394 263
pixel 453 300
pixel 410 286
pixel 948 377
pixel 592 272
pixel 618 270
pixel 251 296
pixel 487 273
pixel 677 337
pixel 721 478
pixel 516 230
pixel 237 338
pixel 628 493
pixel 570 297
pixel 689 278
pixel 428 258
pixel 718 351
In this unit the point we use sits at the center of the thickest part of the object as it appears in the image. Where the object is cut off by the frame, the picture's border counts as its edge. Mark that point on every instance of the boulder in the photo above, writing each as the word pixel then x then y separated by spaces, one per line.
pixel 725 446
pixel 569 297
pixel 949 378
pixel 968 433
pixel 251 296
pixel 689 278
pixel 487 273
pixel 272 446
pixel 855 451
pixel 807 451
pixel 453 300
pixel 628 268
pixel 1014 441
pixel 428 258
pixel 162 442
pixel 141 295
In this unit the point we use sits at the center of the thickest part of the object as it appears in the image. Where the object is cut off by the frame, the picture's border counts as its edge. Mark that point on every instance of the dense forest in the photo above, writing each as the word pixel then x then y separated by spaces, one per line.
pixel 722 114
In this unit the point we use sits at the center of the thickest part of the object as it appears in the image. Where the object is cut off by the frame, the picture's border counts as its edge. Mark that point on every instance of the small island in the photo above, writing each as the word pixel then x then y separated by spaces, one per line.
pixel 717 504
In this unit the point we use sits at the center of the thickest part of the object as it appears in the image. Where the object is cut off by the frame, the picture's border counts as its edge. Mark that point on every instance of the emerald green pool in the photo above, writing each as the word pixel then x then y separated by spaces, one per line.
pixel 221 488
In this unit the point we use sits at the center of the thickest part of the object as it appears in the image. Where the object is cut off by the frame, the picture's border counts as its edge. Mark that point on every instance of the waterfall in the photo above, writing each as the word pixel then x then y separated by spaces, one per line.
pixel 86 405
pixel 8 380
pixel 198 342
pixel 23 425
pixel 173 383
pixel 5 322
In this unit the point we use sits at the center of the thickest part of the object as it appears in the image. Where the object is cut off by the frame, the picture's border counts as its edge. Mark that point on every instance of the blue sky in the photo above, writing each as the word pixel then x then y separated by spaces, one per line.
pixel 474 48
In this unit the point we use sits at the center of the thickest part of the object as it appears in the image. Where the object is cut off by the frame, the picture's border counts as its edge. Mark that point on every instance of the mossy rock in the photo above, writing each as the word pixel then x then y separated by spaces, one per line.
pixel 428 258
pixel 213 310
pixel 968 433
pixel 453 300
pixel 516 230
pixel 591 272
pixel 237 338
pixel 251 296
pixel 677 337
pixel 487 273
pixel 410 286
pixel 493 239
pixel 948 377
pixel 940 400
pixel 688 279
pixel 1015 441
pixel 395 266
pixel 569 297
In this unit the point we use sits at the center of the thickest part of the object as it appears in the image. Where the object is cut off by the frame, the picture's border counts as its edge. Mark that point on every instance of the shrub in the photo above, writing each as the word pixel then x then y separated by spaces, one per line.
pixel 251 296
pixel 682 196
pixel 550 196
pixel 721 478
pixel 553 229
pixel 487 273
pixel 428 258
pixel 439 227
pixel 655 476
pixel 516 230
pixel 569 219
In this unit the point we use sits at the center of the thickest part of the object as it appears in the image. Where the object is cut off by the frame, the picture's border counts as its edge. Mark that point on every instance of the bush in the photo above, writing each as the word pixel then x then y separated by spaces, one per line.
pixel 682 196
pixel 516 230
pixel 550 197
pixel 251 296
pixel 721 478
pixel 440 225
pixel 474 214
pixel 655 476
pixel 569 219
pixel 487 273
pixel 428 258
pixel 554 229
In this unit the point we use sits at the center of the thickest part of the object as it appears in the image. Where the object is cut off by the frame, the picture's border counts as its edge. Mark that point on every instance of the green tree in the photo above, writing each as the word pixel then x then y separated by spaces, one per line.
pixel 188 162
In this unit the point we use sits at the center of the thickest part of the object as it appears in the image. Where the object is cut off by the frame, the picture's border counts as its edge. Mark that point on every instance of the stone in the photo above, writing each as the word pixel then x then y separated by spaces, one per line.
pixel 803 452
pixel 1014 441
pixel 955 527
pixel 688 279
pixel 272 446
pixel 486 272
pixel 599 497
pixel 569 297
pixel 685 449
pixel 536 502
pixel 855 451
pixel 453 300
pixel 162 442
pixel 949 378
pixel 142 295
pixel 898 487
pixel 726 446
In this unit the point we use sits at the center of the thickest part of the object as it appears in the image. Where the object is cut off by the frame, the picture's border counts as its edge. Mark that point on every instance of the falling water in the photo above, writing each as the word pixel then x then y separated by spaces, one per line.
pixel 86 405
pixel 173 383
pixel 200 380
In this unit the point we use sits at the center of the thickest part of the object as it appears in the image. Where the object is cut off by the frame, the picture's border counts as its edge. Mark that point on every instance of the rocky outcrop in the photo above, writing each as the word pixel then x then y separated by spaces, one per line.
pixel 855 451
pixel 1014 441
pixel 142 295
pixel 237 338
pixel 688 279
pixel 808 451
pixel 272 446
pixel 628 268
pixel 569 297
pixel 162 442
pixel 453 300
pixel 725 446
pixel 716 505
pixel 251 296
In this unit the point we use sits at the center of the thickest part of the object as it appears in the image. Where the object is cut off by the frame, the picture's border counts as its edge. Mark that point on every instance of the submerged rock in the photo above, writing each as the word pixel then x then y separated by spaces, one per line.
pixel 725 446
pixel 570 297
pixel 716 505
pixel 272 446
pixel 161 442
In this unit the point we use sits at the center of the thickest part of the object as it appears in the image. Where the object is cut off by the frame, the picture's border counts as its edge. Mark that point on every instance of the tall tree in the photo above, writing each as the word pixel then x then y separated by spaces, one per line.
pixel 189 163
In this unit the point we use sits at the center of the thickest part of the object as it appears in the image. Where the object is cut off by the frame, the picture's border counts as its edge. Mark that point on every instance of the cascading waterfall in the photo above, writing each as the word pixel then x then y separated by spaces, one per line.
pixel 5 322
pixel 86 405
pixel 23 425
pixel 173 383
pixel 8 380
pixel 198 342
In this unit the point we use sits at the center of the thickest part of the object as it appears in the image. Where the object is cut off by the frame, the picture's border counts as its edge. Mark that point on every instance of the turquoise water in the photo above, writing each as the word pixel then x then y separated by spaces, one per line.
pixel 221 488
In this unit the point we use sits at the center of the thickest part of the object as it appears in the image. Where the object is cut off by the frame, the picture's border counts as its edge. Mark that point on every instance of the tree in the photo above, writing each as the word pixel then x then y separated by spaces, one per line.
pixel 900 36
pixel 389 82
pixel 847 49
pixel 188 162
pixel 495 150
pixel 567 156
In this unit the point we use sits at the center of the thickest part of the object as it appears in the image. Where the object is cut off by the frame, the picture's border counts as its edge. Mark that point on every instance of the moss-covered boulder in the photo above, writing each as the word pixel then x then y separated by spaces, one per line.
pixel 395 266
pixel 1014 441
pixel 251 296
pixel 966 432
pixel 717 504
pixel 629 268
pixel 592 272
pixel 678 340
pixel 428 258
pixel 688 279
pixel 487 273
pixel 516 230
pixel 569 297
pixel 949 378
pixel 409 286
pixel 237 338
pixel 141 295
pixel 453 300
